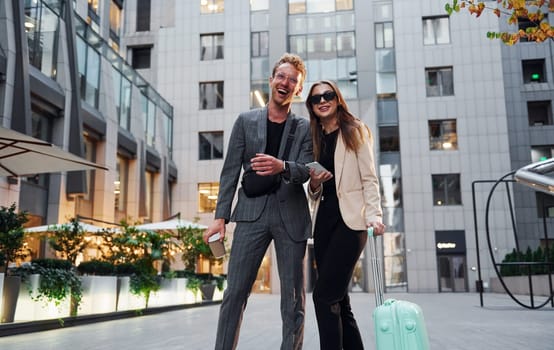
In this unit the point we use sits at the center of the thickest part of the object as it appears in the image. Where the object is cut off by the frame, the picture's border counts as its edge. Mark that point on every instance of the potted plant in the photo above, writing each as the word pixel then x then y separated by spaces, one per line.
pixel 99 287
pixel 52 281
pixel 194 247
pixel 11 248
pixel 143 249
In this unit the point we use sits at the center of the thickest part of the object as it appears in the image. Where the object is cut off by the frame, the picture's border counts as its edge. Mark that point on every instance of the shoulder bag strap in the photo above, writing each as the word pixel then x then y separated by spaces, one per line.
pixel 290 137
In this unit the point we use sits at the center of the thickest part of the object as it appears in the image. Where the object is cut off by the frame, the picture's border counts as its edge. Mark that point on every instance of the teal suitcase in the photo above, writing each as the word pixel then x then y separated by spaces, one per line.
pixel 398 324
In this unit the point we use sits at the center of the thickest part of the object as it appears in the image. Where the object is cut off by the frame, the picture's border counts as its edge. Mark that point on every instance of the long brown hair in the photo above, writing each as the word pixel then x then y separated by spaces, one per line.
pixel 351 127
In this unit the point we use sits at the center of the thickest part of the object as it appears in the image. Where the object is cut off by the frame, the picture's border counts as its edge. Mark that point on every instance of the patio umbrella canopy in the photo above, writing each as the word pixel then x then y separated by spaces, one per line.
pixel 170 225
pixel 45 228
pixel 22 154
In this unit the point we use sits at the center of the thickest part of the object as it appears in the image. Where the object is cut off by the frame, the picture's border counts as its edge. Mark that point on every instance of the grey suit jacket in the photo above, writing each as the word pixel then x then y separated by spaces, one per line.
pixel 248 138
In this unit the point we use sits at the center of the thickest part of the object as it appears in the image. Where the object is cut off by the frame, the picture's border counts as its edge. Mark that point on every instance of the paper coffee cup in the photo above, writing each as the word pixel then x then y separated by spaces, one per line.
pixel 217 247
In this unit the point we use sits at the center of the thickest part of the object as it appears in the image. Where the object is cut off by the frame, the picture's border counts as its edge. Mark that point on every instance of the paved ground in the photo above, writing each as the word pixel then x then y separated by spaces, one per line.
pixel 454 322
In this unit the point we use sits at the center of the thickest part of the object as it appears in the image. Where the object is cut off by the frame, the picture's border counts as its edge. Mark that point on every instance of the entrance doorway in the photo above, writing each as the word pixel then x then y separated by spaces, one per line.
pixel 452 273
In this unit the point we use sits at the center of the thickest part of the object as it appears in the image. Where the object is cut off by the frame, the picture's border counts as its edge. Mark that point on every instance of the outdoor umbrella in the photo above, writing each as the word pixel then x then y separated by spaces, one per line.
pixel 22 154
pixel 45 228
pixel 170 225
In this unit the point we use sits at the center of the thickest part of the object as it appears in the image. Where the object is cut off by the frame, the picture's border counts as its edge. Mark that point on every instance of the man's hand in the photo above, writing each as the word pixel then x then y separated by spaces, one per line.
pixel 217 226
pixel 265 165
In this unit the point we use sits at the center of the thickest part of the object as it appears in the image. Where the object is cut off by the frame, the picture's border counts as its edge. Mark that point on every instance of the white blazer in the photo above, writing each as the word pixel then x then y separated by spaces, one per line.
pixel 357 185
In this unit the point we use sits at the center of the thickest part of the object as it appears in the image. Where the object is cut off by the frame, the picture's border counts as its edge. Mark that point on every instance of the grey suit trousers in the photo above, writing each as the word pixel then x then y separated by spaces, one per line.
pixel 250 242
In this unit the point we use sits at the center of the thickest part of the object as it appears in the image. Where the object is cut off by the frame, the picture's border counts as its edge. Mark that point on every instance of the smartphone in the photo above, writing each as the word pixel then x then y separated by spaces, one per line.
pixel 315 165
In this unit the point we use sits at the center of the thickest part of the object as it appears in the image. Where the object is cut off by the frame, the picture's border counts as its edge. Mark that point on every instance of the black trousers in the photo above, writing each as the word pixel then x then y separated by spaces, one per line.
pixel 336 252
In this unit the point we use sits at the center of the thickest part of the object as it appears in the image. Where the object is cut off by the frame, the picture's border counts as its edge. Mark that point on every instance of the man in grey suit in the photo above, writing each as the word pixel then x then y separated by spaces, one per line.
pixel 258 141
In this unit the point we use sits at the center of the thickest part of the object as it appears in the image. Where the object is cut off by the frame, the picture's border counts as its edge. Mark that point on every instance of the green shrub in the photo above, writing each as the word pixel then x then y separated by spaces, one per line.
pixel 193 284
pixel 125 269
pixel 12 235
pixel 48 263
pixel 96 267
pixel 529 255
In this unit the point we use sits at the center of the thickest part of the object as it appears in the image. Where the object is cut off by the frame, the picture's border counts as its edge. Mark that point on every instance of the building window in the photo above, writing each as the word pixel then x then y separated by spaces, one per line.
pixel 443 135
pixel 325 60
pixel 389 139
pixel 533 71
pixel 89 72
pixel 211 95
pixel 207 196
pixel 540 153
pixel 524 22
pixel 446 189
pixel 122 99
pixel 391 191
pixel 211 46
pixel 318 6
pixel 120 186
pixel 41 27
pixel 436 30
pixel 439 81
pixel 387 111
pixel 90 155
pixel 539 113
pixel 141 57
pixel 168 133
pixel 384 35
pixel 115 21
pixel 260 44
pixel 149 119
pixel 93 6
pixel 210 145
pixel 259 5
pixel 143 15
pixel 346 44
pixel 211 6
pixel 259 94
pixel 149 177
pixel 385 63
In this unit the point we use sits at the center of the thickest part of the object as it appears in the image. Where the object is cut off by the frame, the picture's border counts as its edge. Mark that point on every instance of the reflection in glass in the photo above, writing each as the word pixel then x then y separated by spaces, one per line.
pixel 41 27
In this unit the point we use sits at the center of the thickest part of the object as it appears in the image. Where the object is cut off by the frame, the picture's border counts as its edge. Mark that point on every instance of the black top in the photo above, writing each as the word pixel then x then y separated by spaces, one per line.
pixel 328 214
pixel 274 136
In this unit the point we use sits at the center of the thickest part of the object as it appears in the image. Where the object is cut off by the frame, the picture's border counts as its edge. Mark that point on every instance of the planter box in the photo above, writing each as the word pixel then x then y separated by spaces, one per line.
pixel 125 299
pixel 99 295
pixel 31 310
pixel 172 292
pixel 520 285
pixel 1 292
pixel 218 294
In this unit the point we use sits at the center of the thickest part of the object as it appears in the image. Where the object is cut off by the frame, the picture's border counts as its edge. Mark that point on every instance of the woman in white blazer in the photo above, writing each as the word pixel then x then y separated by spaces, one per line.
pixel 347 202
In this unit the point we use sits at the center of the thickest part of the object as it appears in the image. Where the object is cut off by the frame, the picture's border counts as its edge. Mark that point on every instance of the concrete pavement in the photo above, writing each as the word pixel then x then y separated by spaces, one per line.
pixel 454 322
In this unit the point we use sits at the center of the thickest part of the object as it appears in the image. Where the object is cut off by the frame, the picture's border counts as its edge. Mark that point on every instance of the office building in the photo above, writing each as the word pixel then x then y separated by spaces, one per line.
pixel 161 83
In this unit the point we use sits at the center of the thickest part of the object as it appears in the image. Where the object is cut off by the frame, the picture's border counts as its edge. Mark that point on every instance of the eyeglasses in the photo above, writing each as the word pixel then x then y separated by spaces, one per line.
pixel 327 96
pixel 282 77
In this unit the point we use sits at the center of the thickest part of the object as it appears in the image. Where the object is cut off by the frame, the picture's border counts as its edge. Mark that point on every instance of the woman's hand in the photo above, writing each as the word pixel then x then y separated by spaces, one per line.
pixel 316 179
pixel 378 227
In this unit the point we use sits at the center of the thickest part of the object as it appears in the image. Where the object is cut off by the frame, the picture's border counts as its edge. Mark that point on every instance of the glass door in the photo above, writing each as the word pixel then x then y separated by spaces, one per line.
pixel 452 273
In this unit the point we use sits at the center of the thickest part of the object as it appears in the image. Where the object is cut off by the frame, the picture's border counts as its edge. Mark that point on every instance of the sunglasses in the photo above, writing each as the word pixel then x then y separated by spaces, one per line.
pixel 327 96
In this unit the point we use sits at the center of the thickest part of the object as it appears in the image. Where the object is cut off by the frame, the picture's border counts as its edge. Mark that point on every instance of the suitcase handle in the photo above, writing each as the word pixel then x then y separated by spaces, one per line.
pixel 376 268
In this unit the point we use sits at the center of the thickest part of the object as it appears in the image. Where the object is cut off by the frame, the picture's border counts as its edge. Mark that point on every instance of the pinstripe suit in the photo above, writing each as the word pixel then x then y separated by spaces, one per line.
pixel 282 217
